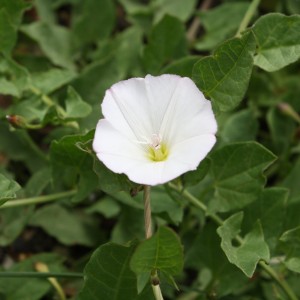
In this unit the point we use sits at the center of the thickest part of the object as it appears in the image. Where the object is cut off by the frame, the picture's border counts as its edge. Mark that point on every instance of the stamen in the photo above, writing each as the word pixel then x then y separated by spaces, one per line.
pixel 155 141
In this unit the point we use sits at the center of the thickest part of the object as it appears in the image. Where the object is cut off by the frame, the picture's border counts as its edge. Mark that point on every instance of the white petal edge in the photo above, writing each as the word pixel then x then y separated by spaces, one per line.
pixel 115 150
pixel 126 107
pixel 178 100
pixel 201 123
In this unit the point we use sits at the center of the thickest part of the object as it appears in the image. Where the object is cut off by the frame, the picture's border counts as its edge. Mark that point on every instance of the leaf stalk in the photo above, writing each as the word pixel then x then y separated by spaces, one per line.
pixel 248 16
pixel 37 200
pixel 5 274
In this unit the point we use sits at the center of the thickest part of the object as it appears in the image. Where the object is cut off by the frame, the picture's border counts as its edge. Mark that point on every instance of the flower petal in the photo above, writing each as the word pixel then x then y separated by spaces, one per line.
pixel 202 123
pixel 193 150
pixel 126 107
pixel 189 114
pixel 115 150
pixel 160 91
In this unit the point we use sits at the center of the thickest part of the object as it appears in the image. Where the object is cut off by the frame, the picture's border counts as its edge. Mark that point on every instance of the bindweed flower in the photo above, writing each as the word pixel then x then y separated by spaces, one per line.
pixel 154 128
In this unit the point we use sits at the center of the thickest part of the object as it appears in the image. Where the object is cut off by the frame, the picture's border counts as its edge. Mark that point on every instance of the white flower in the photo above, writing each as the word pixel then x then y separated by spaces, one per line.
pixel 154 128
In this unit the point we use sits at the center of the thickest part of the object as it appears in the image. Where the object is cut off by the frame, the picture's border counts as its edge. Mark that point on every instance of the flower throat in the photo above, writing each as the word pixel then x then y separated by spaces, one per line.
pixel 157 150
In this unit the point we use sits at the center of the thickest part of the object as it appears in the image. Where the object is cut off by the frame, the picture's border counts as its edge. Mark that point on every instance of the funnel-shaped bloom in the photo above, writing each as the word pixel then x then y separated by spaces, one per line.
pixel 154 128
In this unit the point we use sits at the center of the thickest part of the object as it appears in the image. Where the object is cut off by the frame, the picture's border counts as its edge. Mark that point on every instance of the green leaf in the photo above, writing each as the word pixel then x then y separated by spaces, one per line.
pixel 291 240
pixel 206 254
pixel 10 18
pixel 45 10
pixel 291 181
pixel 218 28
pixel 292 208
pixel 125 230
pixel 270 209
pixel 92 20
pixel 250 252
pixel 15 78
pixel 224 76
pixel 127 55
pixel 134 7
pixel 8 189
pixel 194 177
pixel 71 157
pixel 15 10
pixel 166 42
pixel 239 127
pixel 19 146
pixel 38 182
pixel 8 88
pixel 75 106
pixel 109 181
pixel 70 227
pixel 176 8
pixel 108 276
pixel 8 34
pixel 182 67
pixel 32 109
pixel 282 130
pixel 13 221
pixel 278 41
pixel 161 203
pixel 54 41
pixel 106 206
pixel 293 6
pixel 51 80
pixel 95 79
pixel 163 252
pixel 237 172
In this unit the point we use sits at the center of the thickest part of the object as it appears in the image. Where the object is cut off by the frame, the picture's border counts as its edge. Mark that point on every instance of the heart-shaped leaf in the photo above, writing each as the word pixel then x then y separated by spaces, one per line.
pixel 253 247
pixel 224 76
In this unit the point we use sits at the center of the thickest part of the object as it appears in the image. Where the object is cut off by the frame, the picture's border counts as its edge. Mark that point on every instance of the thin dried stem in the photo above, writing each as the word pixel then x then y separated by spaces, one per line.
pixel 148 233
pixel 196 23
pixel 157 292
pixel 147 212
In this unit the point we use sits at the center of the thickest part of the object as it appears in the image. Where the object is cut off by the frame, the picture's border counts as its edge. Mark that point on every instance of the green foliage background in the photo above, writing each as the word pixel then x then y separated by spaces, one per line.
pixel 235 220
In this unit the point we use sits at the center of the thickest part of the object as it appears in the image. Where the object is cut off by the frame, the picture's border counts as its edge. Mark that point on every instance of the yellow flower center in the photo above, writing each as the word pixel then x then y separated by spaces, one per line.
pixel 156 150
pixel 158 153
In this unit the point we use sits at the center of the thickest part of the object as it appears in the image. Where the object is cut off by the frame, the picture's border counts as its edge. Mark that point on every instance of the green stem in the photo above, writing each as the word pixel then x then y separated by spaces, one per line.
pixel 49 102
pixel 248 16
pixel 198 203
pixel 39 275
pixel 37 200
pixel 46 99
pixel 283 284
